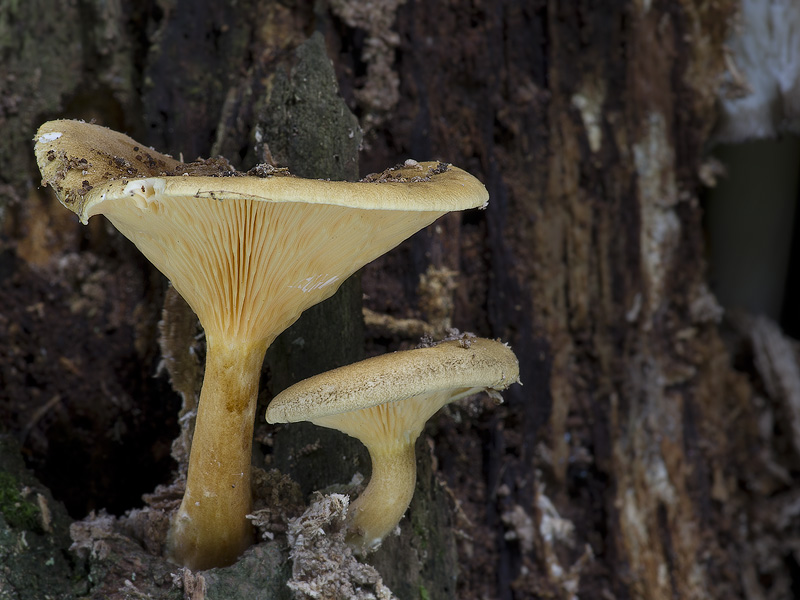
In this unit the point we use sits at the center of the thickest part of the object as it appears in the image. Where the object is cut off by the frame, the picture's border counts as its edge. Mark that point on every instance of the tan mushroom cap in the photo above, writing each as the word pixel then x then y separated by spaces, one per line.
pixel 453 368
pixel 88 164
pixel 248 253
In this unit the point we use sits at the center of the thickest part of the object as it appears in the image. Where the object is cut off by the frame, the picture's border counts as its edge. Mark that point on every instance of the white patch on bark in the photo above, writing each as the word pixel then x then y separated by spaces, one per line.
pixel 660 227
pixel 543 536
pixel 589 102
pixel 760 96
pixel 775 361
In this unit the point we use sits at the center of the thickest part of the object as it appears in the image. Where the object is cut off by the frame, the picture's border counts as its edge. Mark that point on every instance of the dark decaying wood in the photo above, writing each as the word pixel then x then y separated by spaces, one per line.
pixel 651 450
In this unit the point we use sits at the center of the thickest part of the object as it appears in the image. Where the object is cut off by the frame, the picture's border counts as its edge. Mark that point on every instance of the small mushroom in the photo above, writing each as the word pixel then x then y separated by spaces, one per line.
pixel 385 402
pixel 249 253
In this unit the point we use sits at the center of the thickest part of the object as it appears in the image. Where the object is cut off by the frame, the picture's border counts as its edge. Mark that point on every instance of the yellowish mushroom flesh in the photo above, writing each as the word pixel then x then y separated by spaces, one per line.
pixel 248 254
pixel 385 402
pixel 389 431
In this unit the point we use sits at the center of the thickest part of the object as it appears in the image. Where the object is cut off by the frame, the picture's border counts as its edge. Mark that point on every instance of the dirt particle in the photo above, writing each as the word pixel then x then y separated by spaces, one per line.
pixel 441 167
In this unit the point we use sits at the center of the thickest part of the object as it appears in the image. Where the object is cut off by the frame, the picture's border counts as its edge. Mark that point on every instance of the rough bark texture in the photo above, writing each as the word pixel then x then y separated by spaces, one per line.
pixel 651 450
pixel 34 537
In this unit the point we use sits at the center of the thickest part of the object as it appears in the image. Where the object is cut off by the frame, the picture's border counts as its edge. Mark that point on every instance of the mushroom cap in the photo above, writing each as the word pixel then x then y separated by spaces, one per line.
pixel 445 371
pixel 89 165
pixel 249 253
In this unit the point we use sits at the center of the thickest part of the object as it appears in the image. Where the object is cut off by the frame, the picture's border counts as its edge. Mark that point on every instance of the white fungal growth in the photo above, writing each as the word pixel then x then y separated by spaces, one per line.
pixel 589 103
pixel 50 137
pixel 323 565
pixel 761 94
pixel 661 228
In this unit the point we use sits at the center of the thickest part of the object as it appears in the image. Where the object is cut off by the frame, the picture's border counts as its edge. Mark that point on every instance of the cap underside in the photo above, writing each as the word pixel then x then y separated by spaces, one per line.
pixel 249 253
pixel 249 269
pixel 392 423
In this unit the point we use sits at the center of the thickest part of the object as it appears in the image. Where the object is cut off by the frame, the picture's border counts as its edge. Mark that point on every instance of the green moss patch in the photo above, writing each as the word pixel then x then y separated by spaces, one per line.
pixel 18 512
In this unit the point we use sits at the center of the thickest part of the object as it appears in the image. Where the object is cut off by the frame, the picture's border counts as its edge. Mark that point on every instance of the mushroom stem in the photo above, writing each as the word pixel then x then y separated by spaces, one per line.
pixel 210 528
pixel 379 508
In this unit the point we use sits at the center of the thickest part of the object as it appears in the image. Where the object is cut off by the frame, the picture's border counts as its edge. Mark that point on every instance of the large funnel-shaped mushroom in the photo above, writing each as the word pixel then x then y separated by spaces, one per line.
pixel 249 253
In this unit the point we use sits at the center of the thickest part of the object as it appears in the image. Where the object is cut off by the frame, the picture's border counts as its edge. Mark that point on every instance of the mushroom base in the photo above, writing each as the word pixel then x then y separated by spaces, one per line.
pixel 378 510
pixel 210 528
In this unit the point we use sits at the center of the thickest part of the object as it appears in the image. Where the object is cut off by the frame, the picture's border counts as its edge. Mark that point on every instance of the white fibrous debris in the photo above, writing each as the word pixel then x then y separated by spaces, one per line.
pixel 553 531
pixel 704 307
pixel 46 517
pixel 380 90
pixel 761 94
pixel 90 537
pixel 323 565
pixel 775 362
pixel 589 102
pixel 192 584
pixel 553 527
pixel 520 527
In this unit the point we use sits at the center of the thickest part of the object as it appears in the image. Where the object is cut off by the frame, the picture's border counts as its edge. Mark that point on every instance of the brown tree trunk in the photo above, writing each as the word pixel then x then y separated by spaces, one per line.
pixel 636 461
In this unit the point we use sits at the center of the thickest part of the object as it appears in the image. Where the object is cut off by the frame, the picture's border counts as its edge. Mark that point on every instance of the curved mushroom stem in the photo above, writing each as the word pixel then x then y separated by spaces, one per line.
pixel 383 503
pixel 210 528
